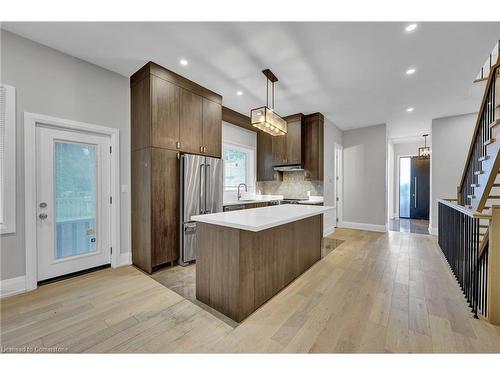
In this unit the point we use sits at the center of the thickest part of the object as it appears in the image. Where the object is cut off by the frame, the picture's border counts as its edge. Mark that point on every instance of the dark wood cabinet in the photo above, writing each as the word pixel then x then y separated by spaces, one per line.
pixel 287 149
pixel 212 128
pixel 191 122
pixel 164 206
pixel 165 114
pixel 169 115
pixel 293 154
pixel 279 149
pixel 265 162
pixel 313 138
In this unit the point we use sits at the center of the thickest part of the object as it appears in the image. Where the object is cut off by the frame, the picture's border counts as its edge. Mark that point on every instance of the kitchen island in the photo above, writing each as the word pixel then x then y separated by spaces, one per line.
pixel 246 257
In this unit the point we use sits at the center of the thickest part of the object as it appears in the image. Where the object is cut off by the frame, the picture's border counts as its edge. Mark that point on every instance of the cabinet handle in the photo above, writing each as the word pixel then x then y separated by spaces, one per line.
pixel 201 149
pixel 178 144
pixel 204 149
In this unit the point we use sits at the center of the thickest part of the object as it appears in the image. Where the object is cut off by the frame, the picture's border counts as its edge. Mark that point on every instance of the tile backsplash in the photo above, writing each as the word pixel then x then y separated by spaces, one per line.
pixel 293 186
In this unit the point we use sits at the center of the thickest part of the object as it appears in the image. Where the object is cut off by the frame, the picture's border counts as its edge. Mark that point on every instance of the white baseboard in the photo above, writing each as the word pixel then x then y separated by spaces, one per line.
pixel 433 231
pixel 328 231
pixel 125 259
pixel 363 226
pixel 12 286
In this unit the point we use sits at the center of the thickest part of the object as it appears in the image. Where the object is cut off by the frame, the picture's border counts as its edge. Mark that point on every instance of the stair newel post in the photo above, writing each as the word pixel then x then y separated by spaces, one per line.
pixel 494 267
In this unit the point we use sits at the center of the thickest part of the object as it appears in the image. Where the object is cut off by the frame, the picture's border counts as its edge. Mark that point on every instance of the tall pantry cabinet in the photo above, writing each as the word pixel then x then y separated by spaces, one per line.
pixel 170 115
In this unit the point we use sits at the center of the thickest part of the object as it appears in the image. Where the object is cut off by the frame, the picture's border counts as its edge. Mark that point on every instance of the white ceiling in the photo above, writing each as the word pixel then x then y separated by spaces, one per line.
pixel 354 73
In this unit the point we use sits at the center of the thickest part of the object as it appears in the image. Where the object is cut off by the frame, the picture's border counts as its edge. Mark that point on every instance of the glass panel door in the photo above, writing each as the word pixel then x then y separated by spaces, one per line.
pixel 404 186
pixel 75 198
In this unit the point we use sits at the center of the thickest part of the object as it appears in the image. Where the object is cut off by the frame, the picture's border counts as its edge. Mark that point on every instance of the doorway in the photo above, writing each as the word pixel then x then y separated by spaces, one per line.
pixel 72 174
pixel 414 195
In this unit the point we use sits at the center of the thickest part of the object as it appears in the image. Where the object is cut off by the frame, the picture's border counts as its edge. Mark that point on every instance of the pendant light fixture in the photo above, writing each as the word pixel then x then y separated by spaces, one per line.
pixel 264 118
pixel 424 152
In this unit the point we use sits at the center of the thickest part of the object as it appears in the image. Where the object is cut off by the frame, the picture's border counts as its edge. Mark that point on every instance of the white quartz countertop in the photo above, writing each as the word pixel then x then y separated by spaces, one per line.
pixel 257 219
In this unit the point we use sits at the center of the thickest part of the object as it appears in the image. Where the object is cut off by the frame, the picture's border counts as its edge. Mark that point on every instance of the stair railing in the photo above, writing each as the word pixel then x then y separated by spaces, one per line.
pixel 480 140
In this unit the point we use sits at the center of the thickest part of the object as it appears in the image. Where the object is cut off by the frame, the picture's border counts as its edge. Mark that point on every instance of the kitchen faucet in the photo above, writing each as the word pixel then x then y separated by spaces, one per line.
pixel 246 189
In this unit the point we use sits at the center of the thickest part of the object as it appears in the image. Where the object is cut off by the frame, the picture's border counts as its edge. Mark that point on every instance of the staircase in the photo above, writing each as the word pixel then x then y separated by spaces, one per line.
pixel 469 226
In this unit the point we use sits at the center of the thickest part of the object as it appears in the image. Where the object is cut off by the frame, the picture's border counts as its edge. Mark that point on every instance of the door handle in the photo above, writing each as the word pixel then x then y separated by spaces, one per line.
pixel 43 216
pixel 207 187
pixel 415 194
pixel 202 209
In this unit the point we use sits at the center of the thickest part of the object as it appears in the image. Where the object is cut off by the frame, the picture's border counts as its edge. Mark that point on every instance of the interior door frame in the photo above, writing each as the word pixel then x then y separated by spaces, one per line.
pixel 31 121
pixel 399 182
pixel 339 184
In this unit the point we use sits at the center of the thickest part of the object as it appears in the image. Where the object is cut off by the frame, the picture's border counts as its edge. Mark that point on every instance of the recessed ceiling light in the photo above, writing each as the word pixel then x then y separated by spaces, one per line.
pixel 410 71
pixel 411 109
pixel 183 62
pixel 239 93
pixel 411 27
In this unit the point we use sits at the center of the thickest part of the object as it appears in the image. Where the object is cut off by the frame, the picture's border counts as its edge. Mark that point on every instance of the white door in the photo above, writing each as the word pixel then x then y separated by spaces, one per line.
pixel 73 201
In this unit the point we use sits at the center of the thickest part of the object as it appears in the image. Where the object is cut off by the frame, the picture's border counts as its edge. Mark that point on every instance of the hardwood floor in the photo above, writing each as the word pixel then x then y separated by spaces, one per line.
pixel 377 292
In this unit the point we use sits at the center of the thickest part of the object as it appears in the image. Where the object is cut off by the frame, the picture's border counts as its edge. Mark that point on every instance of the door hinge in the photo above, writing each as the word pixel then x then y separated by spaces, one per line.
pixel 111 250
pixel 110 200
pixel 110 149
pixel 337 219
pixel 337 199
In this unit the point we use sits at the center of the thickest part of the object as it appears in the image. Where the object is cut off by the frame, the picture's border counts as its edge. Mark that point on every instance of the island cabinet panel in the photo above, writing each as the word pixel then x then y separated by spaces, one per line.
pixel 212 128
pixel 237 271
pixel 165 114
pixel 313 143
pixel 191 122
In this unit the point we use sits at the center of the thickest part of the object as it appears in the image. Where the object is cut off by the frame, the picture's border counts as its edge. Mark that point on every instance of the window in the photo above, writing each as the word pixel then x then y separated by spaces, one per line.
pixel 7 159
pixel 239 166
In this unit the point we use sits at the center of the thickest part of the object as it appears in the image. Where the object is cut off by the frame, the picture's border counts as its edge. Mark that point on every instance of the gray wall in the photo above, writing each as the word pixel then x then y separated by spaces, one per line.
pixel 365 175
pixel 51 83
pixel 451 137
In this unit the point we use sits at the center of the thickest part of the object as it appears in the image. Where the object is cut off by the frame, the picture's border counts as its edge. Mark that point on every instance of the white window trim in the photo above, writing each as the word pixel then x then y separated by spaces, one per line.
pixel 30 123
pixel 244 148
pixel 8 193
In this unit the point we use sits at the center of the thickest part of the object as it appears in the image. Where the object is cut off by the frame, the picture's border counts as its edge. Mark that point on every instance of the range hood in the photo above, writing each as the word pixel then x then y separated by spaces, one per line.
pixel 289 167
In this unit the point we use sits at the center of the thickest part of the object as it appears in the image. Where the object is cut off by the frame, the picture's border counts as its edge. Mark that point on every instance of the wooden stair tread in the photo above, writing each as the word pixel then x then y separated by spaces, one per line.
pixel 493 196
pixel 480 172
pixel 495 123
pixel 496 185
pixel 483 158
pixel 489 141
pixel 471 196
pixel 477 185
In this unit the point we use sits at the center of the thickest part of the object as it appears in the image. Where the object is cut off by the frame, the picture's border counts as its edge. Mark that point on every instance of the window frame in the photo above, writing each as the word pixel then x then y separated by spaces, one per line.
pixel 8 190
pixel 250 167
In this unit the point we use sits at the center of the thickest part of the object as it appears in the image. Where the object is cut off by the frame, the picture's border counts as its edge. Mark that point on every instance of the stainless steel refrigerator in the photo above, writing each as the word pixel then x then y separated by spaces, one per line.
pixel 201 193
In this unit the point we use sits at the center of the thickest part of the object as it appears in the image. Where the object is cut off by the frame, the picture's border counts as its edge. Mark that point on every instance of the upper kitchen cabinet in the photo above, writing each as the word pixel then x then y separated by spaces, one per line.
pixel 287 149
pixel 212 128
pixel 172 112
pixel 165 118
pixel 265 163
pixel 191 123
pixel 313 136
pixel 293 154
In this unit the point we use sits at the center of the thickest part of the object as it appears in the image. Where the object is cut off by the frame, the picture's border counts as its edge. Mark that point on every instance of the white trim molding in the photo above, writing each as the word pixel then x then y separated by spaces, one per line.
pixel 31 120
pixel 125 259
pixel 10 287
pixel 329 230
pixel 363 226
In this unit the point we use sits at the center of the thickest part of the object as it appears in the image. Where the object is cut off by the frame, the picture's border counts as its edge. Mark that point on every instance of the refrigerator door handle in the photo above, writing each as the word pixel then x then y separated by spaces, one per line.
pixel 415 195
pixel 208 189
pixel 202 199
